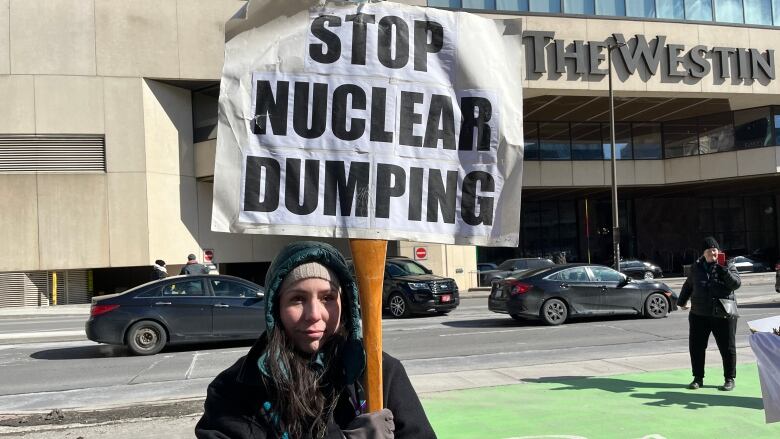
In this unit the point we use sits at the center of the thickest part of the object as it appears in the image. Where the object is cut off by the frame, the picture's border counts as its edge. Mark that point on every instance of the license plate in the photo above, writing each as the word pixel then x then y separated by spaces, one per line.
pixel 446 298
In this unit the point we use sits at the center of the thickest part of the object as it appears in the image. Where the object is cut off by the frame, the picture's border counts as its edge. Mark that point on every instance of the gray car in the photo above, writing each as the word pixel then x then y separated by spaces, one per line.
pixel 486 278
pixel 178 309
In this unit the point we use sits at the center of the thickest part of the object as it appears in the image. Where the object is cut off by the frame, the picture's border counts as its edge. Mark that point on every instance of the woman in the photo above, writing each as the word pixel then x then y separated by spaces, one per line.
pixel 706 284
pixel 301 379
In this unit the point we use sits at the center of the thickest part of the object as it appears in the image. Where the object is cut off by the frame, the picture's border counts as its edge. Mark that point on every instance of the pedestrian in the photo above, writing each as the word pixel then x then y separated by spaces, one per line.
pixel 193 267
pixel 707 282
pixel 302 377
pixel 158 270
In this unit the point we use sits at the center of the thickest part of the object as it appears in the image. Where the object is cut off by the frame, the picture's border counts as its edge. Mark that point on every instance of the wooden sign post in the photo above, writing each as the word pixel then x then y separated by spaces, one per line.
pixel 368 255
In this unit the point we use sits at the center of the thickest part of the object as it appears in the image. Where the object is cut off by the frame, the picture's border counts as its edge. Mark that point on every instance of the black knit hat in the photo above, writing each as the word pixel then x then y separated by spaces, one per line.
pixel 710 242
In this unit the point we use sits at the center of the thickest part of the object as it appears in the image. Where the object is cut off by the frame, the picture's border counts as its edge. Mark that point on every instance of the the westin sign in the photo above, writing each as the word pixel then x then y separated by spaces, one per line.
pixel 673 59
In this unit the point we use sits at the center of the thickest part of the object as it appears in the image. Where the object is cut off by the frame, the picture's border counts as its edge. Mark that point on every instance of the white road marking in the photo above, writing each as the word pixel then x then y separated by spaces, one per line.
pixel 493 332
pixel 41 334
pixel 192 366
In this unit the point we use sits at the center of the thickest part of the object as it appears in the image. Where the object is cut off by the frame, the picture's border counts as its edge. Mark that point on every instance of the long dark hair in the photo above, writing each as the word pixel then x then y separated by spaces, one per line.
pixel 305 395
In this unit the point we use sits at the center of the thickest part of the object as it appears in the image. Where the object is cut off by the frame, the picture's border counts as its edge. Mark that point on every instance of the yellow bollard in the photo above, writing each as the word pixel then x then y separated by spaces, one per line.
pixel 53 287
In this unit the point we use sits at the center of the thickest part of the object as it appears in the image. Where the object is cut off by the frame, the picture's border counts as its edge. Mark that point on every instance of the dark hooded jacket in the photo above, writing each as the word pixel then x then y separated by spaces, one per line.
pixel 707 283
pixel 235 398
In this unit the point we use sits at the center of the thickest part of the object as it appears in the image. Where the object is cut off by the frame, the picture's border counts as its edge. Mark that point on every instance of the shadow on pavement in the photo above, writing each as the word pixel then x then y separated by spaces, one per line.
pixel 693 400
pixel 684 398
pixel 107 351
pixel 759 305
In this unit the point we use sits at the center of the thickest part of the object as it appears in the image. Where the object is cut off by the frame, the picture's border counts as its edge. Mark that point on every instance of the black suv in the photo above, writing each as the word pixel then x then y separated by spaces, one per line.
pixel 410 288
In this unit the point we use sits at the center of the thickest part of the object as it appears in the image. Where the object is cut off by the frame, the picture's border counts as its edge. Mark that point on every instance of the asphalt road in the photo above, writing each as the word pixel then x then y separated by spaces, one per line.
pixel 65 374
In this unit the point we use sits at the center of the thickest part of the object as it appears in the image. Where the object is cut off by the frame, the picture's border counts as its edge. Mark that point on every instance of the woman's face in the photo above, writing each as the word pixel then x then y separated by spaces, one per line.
pixel 310 311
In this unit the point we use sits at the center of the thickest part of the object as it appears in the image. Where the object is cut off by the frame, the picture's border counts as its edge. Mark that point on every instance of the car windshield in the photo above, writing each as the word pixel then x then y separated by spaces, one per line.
pixel 525 274
pixel 410 267
pixel 539 263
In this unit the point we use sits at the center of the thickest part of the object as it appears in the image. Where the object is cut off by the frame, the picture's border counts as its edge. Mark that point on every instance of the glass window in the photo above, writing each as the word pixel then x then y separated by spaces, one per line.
pixel 673 9
pixel 184 288
pixel 681 138
pixel 578 7
pixel 554 141
pixel 604 274
pixel 777 125
pixel 623 148
pixel 575 275
pixel 444 3
pixel 640 8
pixel 752 128
pixel 700 10
pixel 512 5
pixel 479 4
pixel 611 7
pixel 646 141
pixel 758 12
pixel 531 138
pixel 204 113
pixel 545 5
pixel 224 288
pixel 776 12
pixel 586 141
pixel 716 133
pixel 728 11
pixel 393 270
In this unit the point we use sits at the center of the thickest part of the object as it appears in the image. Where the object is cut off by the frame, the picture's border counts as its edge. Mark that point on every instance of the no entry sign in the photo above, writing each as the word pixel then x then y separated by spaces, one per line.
pixel 420 253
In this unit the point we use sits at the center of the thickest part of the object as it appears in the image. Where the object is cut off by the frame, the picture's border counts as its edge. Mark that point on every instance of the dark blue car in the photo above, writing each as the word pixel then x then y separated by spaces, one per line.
pixel 178 309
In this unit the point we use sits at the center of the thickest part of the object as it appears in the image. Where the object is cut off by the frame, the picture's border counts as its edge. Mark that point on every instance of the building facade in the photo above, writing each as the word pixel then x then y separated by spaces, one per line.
pixel 107 137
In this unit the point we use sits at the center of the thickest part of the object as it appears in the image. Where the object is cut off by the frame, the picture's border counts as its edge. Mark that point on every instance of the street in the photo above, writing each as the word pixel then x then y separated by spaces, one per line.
pixel 79 373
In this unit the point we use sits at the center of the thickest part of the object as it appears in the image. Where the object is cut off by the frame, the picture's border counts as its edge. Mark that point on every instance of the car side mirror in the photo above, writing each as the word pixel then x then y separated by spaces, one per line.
pixel 429 271
pixel 624 281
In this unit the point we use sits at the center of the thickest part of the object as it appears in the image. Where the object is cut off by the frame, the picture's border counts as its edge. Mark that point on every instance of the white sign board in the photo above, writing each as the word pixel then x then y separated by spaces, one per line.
pixel 370 120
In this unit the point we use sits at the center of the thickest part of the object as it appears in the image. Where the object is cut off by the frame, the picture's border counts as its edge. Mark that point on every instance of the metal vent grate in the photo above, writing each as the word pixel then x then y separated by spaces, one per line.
pixel 27 153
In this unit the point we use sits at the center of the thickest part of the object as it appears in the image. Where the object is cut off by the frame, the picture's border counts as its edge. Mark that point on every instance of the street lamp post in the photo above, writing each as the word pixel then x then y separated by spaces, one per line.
pixel 615 220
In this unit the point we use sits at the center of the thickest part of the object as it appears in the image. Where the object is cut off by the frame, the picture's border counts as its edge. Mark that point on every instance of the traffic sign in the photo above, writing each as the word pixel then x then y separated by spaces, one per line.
pixel 420 253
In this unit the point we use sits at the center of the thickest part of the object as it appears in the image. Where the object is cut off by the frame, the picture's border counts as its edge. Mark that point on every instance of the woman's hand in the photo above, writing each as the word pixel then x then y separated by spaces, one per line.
pixel 374 425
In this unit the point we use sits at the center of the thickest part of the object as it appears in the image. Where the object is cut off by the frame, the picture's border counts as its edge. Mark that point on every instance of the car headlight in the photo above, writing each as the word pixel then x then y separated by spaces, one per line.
pixel 418 285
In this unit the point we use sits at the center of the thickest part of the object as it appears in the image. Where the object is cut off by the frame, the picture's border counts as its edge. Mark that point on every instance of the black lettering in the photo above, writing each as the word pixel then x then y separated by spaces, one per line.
pixel 390 182
pixel 415 194
pixel 319 109
pixel 378 112
pixel 641 51
pixel 393 28
pixel 270 193
pixel 292 186
pixel 476 112
pixel 356 126
pixel 359 24
pixel 345 190
pixel 577 54
pixel 539 42
pixel 675 59
pixel 266 107
pixel 421 45
pixel 470 200
pixel 596 57
pixel 440 114
pixel 318 52
pixel 409 119
pixel 699 66
pixel 766 65
pixel 722 54
pixel 441 197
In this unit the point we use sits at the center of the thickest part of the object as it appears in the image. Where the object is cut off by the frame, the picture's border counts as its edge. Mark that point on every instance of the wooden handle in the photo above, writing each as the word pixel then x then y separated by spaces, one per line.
pixel 368 255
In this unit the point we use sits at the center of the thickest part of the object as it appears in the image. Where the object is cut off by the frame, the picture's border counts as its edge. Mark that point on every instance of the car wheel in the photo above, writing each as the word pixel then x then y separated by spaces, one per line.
pixel 517 317
pixel 399 308
pixel 649 275
pixel 554 312
pixel 656 306
pixel 146 338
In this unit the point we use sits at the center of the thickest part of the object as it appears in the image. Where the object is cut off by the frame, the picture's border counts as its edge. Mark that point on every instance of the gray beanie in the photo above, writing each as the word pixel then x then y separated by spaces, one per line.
pixel 309 270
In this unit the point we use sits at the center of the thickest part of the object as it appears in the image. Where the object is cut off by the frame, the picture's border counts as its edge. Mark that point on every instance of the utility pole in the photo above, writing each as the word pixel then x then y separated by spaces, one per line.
pixel 615 219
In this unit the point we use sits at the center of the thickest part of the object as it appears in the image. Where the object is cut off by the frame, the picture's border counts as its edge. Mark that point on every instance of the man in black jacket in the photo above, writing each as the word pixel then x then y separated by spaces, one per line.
pixel 193 266
pixel 708 282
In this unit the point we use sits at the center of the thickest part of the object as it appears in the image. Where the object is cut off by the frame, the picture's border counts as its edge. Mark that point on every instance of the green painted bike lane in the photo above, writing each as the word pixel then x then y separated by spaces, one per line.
pixel 652 405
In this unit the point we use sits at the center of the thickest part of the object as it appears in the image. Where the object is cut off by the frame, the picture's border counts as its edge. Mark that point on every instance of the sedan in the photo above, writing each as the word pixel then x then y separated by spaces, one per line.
pixel 640 269
pixel 178 309
pixel 747 265
pixel 556 293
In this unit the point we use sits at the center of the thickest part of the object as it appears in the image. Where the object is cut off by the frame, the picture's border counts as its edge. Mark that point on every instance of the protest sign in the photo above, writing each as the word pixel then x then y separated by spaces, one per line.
pixel 371 121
